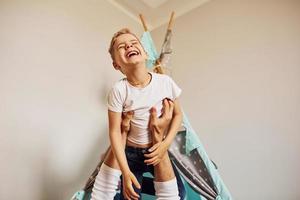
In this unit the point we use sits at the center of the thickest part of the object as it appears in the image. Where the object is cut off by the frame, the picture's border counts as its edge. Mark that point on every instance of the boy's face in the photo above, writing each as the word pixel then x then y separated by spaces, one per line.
pixel 128 51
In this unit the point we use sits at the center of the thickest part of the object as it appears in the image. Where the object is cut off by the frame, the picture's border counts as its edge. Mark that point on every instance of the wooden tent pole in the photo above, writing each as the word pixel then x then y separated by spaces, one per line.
pixel 143 22
pixel 171 21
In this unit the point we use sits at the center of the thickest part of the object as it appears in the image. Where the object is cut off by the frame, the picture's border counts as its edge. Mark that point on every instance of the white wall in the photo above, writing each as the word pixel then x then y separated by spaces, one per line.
pixel 54 74
pixel 238 63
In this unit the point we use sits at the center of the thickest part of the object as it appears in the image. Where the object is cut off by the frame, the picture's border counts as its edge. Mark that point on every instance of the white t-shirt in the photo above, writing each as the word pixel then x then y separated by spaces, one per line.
pixel 124 97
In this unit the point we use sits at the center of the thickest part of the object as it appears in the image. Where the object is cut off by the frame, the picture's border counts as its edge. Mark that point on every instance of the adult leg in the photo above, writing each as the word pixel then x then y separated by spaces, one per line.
pixel 148 184
pixel 180 185
pixel 165 183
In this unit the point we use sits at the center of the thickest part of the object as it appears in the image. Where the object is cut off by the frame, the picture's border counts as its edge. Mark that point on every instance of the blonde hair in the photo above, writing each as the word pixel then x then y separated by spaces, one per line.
pixel 115 36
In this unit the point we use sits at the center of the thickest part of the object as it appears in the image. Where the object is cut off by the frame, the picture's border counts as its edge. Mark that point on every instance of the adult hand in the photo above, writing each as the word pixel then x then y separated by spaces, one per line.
pixel 126 118
pixel 125 125
pixel 128 191
pixel 157 152
pixel 158 127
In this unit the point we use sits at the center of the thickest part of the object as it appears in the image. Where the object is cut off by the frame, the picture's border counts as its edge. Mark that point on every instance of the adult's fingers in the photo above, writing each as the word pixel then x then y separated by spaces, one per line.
pixel 155 152
pixel 171 106
pixel 165 107
pixel 168 107
pixel 153 119
pixel 151 160
pixel 154 162
pixel 128 115
pixel 166 104
pixel 157 162
pixel 126 118
pixel 153 114
pixel 151 155
pixel 154 147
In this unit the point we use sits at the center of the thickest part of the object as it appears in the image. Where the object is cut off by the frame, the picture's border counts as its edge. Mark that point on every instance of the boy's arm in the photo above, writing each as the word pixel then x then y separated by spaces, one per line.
pixel 115 137
pixel 117 145
pixel 160 148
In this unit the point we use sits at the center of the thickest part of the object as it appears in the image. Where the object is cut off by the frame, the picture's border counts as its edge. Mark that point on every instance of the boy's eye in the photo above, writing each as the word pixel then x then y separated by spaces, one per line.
pixel 121 46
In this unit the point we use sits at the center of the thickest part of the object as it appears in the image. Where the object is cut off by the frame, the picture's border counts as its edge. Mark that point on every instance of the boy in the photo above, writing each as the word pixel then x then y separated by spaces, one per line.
pixel 139 92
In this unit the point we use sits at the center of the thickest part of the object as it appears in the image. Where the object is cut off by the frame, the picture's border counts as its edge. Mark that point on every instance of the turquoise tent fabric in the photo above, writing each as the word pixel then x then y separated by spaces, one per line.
pixel 79 195
pixel 149 47
pixel 193 142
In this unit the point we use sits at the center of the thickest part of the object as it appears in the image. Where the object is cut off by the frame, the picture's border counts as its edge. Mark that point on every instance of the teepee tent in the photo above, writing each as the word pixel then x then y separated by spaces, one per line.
pixel 187 152
pixel 198 172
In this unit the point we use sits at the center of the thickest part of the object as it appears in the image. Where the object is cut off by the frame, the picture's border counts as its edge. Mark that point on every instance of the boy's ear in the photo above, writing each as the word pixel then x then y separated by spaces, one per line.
pixel 117 67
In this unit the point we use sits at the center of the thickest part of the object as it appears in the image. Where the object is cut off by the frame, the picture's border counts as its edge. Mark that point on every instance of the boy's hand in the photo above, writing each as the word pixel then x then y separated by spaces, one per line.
pixel 156 154
pixel 128 191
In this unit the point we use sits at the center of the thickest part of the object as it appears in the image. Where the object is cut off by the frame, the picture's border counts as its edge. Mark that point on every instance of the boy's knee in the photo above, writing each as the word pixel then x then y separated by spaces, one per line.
pixel 106 183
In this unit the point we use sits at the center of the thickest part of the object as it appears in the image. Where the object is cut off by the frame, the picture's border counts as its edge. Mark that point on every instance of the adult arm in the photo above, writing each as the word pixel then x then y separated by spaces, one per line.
pixel 158 150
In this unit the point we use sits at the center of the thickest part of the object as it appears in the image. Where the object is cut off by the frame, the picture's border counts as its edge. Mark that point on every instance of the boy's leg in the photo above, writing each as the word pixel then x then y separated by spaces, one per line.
pixel 136 165
pixel 107 180
pixel 139 177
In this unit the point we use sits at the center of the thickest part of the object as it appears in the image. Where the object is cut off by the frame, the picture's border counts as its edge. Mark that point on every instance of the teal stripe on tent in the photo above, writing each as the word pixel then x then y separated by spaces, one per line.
pixel 193 142
pixel 78 195
pixel 149 47
pixel 190 193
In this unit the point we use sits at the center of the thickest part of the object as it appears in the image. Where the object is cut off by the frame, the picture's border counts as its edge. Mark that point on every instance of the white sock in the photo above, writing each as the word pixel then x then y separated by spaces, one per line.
pixel 167 190
pixel 106 183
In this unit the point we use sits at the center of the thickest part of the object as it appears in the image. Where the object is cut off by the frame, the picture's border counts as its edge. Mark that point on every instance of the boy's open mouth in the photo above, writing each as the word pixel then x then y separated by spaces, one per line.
pixel 132 53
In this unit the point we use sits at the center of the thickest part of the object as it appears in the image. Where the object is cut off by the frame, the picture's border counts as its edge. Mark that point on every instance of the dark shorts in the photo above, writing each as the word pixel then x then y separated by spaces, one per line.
pixel 135 158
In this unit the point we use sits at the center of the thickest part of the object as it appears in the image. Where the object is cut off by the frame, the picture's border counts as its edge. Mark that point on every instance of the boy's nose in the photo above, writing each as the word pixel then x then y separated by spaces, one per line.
pixel 128 46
